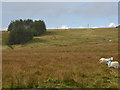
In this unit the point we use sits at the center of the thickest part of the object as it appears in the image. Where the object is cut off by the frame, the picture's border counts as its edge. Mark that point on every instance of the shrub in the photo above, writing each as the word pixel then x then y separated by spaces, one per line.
pixel 36 27
pixel 19 35
pixel 22 31
pixel 10 26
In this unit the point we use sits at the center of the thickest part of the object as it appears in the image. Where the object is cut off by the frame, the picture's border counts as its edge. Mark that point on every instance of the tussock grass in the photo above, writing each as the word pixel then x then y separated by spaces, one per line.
pixel 58 60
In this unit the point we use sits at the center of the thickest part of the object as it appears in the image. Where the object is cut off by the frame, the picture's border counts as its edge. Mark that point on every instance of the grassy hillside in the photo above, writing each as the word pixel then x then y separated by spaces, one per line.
pixel 4 37
pixel 63 59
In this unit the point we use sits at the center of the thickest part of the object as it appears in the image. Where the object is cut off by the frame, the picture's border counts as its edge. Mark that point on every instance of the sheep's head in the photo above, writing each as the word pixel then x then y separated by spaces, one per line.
pixel 102 60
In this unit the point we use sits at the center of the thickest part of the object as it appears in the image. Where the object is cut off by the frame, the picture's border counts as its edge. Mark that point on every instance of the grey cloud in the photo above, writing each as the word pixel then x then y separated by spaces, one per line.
pixel 96 10
pixel 57 9
pixel 13 10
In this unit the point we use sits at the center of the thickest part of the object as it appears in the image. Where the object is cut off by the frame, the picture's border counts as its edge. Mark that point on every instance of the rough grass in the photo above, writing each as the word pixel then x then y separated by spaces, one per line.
pixel 62 59
pixel 4 37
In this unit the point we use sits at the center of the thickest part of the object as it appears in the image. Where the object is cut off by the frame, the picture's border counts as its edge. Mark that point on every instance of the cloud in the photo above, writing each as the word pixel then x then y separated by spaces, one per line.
pixel 51 28
pixel 64 27
pixel 57 9
pixel 112 24
pixel 3 28
pixel 81 27
pixel 96 9
pixel 101 26
pixel 95 27
pixel 67 12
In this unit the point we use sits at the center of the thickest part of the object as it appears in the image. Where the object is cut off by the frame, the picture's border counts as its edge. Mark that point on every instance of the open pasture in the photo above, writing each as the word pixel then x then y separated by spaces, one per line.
pixel 61 59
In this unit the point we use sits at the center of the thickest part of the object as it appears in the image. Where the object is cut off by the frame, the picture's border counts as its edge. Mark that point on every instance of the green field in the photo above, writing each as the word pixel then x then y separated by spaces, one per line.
pixel 61 59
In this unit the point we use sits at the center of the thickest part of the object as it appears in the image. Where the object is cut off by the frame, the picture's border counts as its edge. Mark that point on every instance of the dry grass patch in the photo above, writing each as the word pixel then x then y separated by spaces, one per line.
pixel 63 64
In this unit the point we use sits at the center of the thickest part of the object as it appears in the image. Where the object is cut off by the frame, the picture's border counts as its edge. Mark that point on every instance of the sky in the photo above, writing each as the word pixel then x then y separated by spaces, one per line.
pixel 63 14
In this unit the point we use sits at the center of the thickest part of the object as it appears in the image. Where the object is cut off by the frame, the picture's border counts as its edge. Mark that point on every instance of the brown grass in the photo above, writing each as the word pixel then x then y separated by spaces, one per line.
pixel 72 66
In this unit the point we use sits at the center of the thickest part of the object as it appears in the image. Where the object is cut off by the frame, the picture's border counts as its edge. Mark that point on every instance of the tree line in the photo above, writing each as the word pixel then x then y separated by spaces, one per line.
pixel 22 31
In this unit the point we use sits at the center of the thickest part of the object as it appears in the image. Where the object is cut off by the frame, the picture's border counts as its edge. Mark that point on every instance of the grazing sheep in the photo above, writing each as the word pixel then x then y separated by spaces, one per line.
pixel 114 64
pixel 105 60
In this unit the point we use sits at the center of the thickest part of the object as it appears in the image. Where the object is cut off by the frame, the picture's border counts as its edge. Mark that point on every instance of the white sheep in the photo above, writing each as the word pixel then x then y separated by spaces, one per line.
pixel 114 64
pixel 105 60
